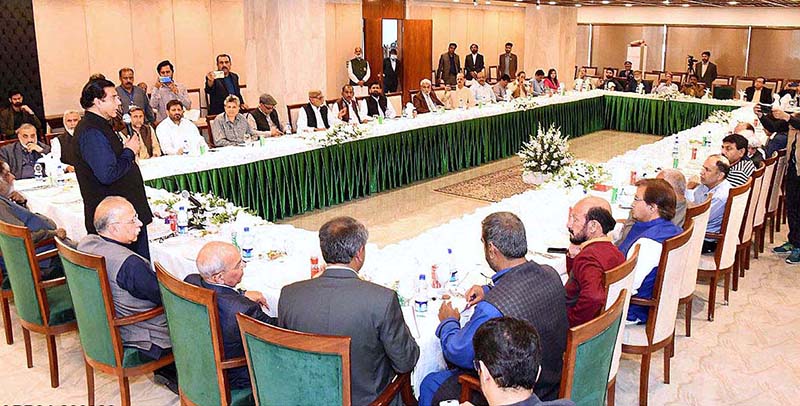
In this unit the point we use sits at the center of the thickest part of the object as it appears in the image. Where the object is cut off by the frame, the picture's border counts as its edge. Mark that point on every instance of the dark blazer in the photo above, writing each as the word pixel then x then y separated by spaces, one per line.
pixel 626 75
pixel 7 122
pixel 766 95
pixel 421 106
pixel 14 155
pixel 339 303
pixel 391 77
pixel 443 71
pixel 711 73
pixel 470 66
pixel 512 66
pixel 632 85
pixel 230 302
pixel 618 85
pixel 218 92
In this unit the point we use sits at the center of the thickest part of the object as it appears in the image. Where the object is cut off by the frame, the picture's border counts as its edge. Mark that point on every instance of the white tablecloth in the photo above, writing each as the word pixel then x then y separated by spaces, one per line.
pixel 543 211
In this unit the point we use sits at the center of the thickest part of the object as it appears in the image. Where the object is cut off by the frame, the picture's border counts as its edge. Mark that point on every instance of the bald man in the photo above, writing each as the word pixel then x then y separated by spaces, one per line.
pixel 591 253
pixel 221 269
pixel 134 287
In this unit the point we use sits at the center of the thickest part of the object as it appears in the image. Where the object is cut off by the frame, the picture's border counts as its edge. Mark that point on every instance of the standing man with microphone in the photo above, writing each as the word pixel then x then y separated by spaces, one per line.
pixel 106 162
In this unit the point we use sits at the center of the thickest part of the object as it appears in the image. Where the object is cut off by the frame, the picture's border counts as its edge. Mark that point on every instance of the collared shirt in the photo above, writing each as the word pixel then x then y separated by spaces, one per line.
pixel 499 91
pixel 389 113
pixel 700 194
pixel 665 88
pixel 302 120
pixel 355 116
pixel 137 97
pixel 740 172
pixel 756 95
pixel 173 137
pixel 483 93
pixel 460 97
pixel 137 277
pixel 429 101
pixel 703 67
pixel 507 64
pixel 226 132
pixel 55 147
pixel 163 95
pixel 538 87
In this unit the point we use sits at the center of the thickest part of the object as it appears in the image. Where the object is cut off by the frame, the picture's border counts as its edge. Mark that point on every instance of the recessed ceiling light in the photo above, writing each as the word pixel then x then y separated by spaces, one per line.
pixel 665 2
pixel 628 5
pixel 577 4
pixel 606 2
pixel 488 2
pixel 456 1
pixel 516 4
pixel 733 3
pixel 684 5
pixel 552 3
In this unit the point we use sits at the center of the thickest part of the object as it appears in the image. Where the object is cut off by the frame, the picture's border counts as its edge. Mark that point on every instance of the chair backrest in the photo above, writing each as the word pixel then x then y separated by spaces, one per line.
pixel 87 280
pixel 589 354
pixel 679 77
pixel 722 92
pixel 492 73
pixel 293 368
pixel 766 186
pixel 746 233
pixel 591 70
pixel 698 217
pixel 666 291
pixel 722 80
pixel 196 340
pixel 292 110
pixel 396 99
pixel 440 92
pixel 732 219
pixel 741 83
pixel 775 84
pixel 616 281
pixel 23 274
pixel 777 182
pixel 200 98
pixel 652 76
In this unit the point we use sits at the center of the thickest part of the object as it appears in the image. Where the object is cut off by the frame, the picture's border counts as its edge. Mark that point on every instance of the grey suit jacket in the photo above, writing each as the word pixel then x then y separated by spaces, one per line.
pixel 14 155
pixel 339 303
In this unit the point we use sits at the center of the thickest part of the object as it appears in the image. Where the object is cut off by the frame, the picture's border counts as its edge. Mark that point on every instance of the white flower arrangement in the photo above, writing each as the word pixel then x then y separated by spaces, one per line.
pixel 673 95
pixel 720 117
pixel 525 103
pixel 546 153
pixel 211 210
pixel 339 133
pixel 581 173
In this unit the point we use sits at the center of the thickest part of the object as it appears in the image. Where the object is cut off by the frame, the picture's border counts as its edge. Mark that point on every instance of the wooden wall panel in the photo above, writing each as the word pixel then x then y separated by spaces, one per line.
pixel 343 32
pixel 765 61
pixel 417 44
pixel 377 9
pixel 582 46
pixel 727 46
pixel 610 44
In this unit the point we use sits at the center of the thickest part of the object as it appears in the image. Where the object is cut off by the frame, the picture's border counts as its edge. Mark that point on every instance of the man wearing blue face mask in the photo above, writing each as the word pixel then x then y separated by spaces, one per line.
pixel 391 72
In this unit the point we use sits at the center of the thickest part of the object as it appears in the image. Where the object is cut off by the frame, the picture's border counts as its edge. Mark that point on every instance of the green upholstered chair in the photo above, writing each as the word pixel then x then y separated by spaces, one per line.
pixel 589 355
pixel 723 92
pixel 99 325
pixel 44 307
pixel 197 344
pixel 6 294
pixel 292 368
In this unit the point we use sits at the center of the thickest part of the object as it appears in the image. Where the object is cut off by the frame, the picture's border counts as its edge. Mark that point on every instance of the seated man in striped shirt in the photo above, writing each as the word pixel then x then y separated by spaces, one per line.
pixel 734 147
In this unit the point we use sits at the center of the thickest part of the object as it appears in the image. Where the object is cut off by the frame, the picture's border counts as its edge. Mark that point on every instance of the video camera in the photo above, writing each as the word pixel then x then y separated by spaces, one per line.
pixel 690 61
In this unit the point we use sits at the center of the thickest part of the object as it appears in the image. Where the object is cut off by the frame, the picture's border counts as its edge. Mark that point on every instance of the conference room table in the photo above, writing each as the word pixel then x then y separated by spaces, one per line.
pixel 543 211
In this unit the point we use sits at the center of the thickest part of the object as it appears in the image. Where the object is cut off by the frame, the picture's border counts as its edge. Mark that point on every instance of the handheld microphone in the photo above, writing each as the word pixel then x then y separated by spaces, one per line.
pixel 188 196
pixel 126 118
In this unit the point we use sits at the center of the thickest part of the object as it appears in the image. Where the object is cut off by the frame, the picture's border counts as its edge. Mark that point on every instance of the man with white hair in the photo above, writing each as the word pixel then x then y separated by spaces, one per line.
pixel 21 156
pixel 62 147
pixel 221 268
pixel 425 100
pixel 134 287
pixel 231 127
pixel 314 115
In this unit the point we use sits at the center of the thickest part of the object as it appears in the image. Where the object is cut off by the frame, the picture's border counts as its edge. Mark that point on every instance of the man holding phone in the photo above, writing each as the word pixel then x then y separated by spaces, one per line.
pixel 222 83
pixel 167 89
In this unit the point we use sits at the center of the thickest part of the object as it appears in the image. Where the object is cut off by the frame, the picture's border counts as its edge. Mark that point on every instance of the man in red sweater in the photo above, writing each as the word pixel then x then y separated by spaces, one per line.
pixel 591 253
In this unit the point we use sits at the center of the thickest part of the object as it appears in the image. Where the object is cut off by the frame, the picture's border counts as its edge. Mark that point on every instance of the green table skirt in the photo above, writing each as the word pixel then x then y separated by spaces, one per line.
pixel 286 186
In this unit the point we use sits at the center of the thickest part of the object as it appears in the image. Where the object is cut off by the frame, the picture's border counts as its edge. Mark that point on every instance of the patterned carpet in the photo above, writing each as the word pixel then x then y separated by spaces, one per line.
pixel 493 187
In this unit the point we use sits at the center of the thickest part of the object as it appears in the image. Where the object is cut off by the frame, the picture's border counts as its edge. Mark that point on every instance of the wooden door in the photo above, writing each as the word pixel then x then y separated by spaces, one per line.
pixel 373 50
pixel 417 46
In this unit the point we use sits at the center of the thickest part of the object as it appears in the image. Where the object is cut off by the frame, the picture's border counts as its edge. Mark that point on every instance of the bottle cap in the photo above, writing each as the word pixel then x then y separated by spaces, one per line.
pixel 247 229
pixel 314 260
pixel 422 276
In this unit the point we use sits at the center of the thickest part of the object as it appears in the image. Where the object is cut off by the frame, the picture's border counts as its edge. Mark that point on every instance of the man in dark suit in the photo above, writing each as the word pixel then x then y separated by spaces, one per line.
pixel 16 114
pixel 221 268
pixel 218 87
pixel 425 100
pixel 449 66
pixel 473 63
pixel 521 289
pixel 339 303
pixel 625 75
pixel 705 70
pixel 23 154
pixel 391 72
pixel 638 85
pixel 611 83
pixel 758 93
pixel 508 62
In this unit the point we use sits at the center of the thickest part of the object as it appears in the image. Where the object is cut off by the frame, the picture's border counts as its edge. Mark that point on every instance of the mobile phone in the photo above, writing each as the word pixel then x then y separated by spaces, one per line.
pixel 164 79
pixel 556 250
pixel 218 74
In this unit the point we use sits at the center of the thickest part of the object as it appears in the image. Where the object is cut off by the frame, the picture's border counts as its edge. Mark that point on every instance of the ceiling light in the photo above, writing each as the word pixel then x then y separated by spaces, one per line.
pixel 733 3
pixel 628 5
pixel 606 2
pixel 456 1
pixel 516 4
pixel 488 2
pixel 552 3
pixel 665 2
pixel 684 5
pixel 577 4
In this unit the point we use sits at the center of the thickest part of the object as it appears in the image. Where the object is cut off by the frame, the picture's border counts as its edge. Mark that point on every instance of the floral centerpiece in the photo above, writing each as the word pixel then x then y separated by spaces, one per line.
pixel 581 173
pixel 673 95
pixel 720 117
pixel 204 209
pixel 338 134
pixel 525 103
pixel 544 155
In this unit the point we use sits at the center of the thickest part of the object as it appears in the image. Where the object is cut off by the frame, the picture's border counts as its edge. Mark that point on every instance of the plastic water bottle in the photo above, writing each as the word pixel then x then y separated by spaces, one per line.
pixel 38 172
pixel 314 266
pixel 421 296
pixel 676 152
pixel 183 220
pixel 461 104
pixel 185 147
pixel 246 244
pixel 60 176
pixel 287 129
pixel 452 282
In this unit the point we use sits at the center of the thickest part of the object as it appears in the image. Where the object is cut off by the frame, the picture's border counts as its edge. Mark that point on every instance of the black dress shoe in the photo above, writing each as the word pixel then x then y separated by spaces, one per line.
pixel 167 378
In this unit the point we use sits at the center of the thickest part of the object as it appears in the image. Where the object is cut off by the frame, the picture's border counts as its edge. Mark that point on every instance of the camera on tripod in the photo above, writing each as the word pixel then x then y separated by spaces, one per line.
pixel 690 61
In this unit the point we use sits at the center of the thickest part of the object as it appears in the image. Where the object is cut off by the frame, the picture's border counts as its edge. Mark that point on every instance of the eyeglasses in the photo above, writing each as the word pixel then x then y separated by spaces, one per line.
pixel 131 221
